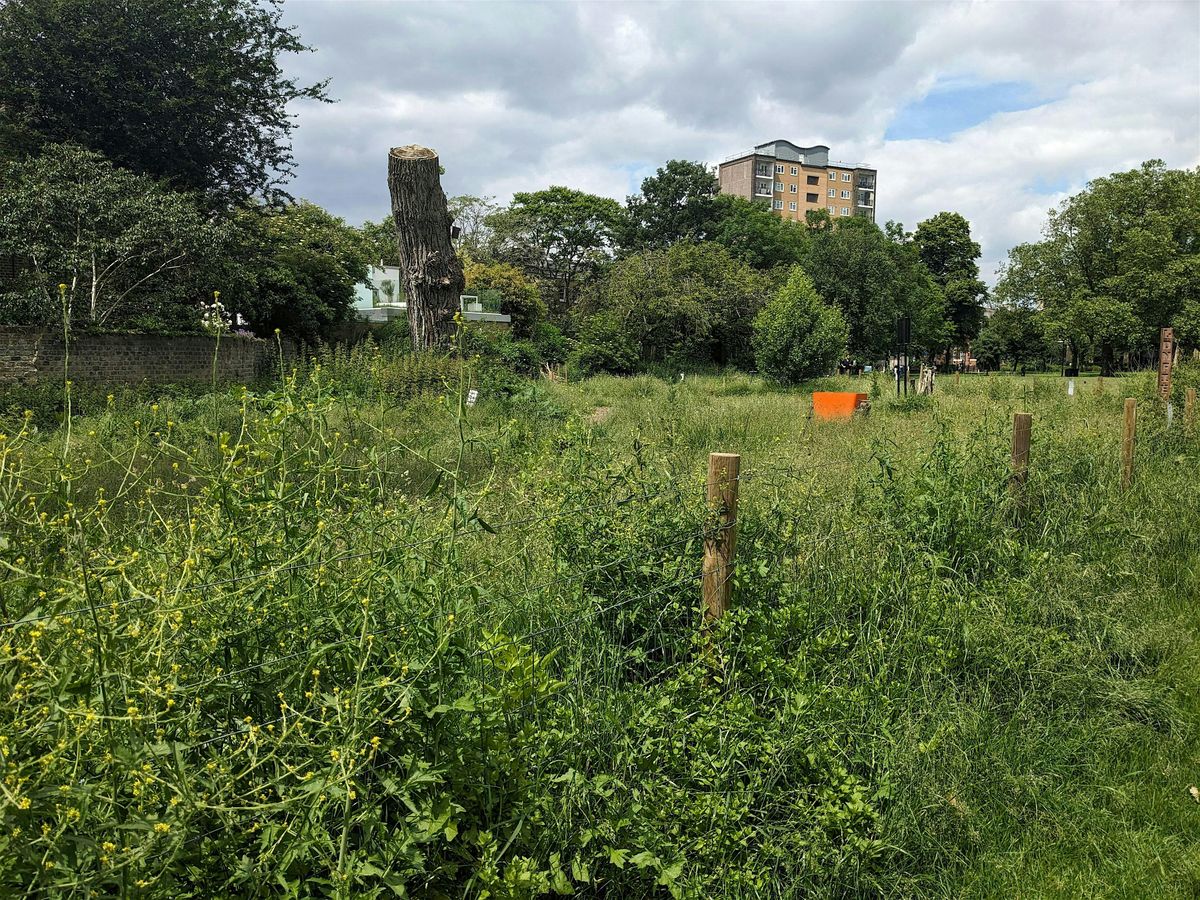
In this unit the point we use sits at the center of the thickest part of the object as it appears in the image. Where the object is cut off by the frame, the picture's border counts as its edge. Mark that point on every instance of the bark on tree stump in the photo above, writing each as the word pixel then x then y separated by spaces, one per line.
pixel 432 272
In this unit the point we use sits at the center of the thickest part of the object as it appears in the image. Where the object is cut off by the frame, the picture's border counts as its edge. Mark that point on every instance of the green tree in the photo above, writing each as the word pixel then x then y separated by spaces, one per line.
pixel 945 246
pixel 751 232
pixel 797 335
pixel 1116 262
pixel 676 204
pixel 560 236
pixel 190 93
pixel 690 303
pixel 1015 334
pixel 470 215
pixel 520 298
pixel 873 280
pixel 131 253
pixel 297 270
pixel 379 241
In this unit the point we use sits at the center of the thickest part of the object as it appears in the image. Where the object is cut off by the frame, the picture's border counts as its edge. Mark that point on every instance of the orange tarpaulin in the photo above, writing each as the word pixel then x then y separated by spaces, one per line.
pixel 836 404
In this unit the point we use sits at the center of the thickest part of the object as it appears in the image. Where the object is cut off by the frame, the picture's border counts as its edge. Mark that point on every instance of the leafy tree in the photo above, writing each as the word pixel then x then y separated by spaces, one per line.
pixel 379 241
pixel 873 280
pixel 676 204
pixel 520 298
pixel 190 93
pixel 604 345
pixel 1187 325
pixel 1116 262
pixel 945 247
pixel 560 236
pixel 130 252
pixel 797 335
pixel 470 215
pixel 297 270
pixel 1013 333
pixel 751 232
pixel 690 303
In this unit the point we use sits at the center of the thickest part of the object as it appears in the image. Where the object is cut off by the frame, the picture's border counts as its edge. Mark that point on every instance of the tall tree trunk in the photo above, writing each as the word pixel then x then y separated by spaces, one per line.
pixel 432 273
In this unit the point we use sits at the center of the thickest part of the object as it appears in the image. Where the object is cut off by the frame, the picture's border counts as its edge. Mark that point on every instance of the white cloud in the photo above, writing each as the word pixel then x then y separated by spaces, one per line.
pixel 521 96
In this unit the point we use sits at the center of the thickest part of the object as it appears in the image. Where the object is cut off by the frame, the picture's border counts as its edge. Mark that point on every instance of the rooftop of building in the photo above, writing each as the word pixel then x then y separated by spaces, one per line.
pixel 817 155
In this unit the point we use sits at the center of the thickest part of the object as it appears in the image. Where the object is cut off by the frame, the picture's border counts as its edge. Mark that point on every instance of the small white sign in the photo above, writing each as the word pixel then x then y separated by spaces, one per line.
pixel 1071 388
pixel 472 396
pixel 1170 413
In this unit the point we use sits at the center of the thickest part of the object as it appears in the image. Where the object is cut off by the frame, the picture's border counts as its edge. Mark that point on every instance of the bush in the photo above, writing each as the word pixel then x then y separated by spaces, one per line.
pixel 797 336
pixel 604 346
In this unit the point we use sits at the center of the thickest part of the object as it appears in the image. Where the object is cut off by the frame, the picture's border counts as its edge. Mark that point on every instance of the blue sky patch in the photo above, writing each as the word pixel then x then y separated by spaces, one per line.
pixel 951 106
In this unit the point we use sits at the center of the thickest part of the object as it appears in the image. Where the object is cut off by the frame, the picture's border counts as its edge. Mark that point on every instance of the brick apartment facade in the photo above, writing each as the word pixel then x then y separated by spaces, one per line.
pixel 795 179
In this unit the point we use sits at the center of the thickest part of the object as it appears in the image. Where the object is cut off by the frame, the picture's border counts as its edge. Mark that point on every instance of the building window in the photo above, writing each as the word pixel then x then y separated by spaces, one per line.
pixel 864 198
pixel 833 192
pixel 810 198
pixel 813 179
pixel 795 170
pixel 832 210
pixel 779 204
pixel 845 176
pixel 779 168
pixel 845 210
pixel 792 188
pixel 792 205
pixel 845 195
pixel 833 176
pixel 779 186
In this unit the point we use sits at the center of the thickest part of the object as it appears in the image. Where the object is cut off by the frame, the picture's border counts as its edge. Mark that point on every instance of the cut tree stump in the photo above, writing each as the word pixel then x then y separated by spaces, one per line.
pixel 432 272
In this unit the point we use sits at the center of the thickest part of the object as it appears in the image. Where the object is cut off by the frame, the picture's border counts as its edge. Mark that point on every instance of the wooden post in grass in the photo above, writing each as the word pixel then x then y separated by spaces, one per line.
pixel 1022 430
pixel 1189 410
pixel 1127 440
pixel 719 548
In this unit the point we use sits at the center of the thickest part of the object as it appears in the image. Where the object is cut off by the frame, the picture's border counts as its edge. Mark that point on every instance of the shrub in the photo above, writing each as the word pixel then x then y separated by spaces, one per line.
pixel 797 336
pixel 604 346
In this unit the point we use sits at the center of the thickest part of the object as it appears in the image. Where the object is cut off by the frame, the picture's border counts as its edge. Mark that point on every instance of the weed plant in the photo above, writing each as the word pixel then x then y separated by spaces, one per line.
pixel 336 637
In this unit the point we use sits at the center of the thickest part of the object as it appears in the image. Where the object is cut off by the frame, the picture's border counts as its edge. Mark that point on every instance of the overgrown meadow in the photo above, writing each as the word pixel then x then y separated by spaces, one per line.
pixel 345 635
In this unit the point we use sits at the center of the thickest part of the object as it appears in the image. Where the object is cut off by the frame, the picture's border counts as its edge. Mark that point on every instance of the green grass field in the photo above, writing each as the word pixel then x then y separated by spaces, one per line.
pixel 313 639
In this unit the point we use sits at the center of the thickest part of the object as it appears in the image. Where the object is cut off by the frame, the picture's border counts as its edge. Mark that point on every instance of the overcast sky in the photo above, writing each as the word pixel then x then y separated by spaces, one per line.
pixel 995 110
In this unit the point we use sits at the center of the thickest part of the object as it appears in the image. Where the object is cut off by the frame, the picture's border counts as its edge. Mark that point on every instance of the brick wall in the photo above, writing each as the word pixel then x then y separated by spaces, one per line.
pixel 27 354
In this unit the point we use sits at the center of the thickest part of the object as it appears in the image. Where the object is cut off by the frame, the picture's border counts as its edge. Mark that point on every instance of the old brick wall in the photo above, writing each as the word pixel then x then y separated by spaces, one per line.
pixel 28 354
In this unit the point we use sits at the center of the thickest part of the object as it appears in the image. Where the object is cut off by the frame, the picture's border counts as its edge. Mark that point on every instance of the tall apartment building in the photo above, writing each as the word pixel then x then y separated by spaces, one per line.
pixel 796 179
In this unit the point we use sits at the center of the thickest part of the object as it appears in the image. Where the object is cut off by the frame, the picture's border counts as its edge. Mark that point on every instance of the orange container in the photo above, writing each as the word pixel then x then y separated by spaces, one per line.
pixel 836 404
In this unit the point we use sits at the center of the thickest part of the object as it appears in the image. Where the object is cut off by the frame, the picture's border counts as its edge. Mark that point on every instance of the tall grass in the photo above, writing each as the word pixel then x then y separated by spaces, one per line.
pixel 348 640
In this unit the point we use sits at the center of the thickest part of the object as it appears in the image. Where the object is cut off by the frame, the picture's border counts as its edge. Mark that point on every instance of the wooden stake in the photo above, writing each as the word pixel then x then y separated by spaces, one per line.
pixel 1189 409
pixel 1022 430
pixel 1127 441
pixel 717 587
pixel 956 374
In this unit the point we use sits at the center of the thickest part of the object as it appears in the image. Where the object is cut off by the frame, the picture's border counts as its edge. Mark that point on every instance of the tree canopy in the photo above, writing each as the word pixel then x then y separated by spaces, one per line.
pixel 677 203
pixel 1116 262
pixel 691 301
pixel 296 270
pixel 560 236
pixel 751 232
pixel 189 93
pixel 873 280
pixel 797 335
pixel 945 246
pixel 131 252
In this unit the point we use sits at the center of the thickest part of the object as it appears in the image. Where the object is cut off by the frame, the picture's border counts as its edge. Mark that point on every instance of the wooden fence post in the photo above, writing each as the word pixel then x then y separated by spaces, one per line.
pixel 719 548
pixel 1189 409
pixel 1127 440
pixel 1022 430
